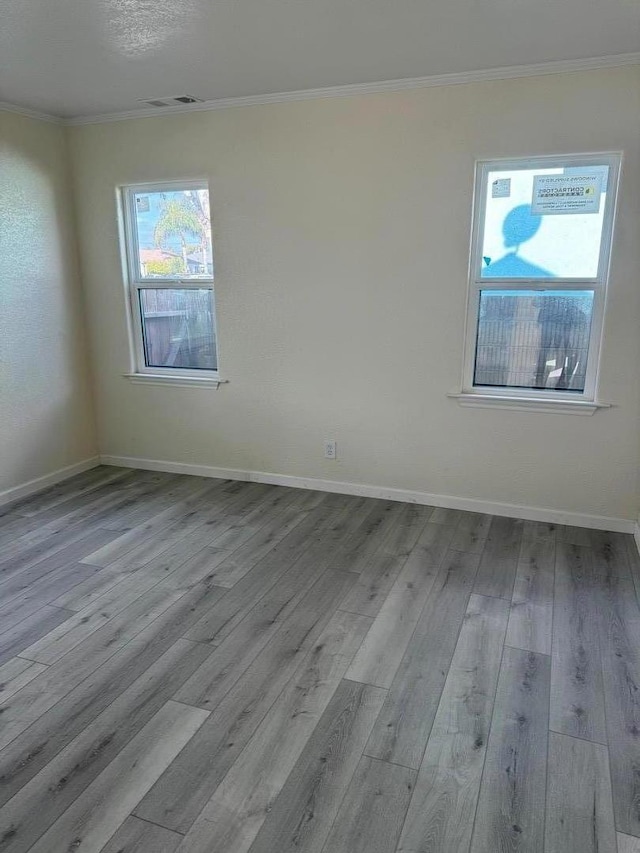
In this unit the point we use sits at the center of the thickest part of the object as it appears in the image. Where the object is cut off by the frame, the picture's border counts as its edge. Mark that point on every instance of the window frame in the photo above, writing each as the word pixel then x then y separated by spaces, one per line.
pixel 135 282
pixel 476 283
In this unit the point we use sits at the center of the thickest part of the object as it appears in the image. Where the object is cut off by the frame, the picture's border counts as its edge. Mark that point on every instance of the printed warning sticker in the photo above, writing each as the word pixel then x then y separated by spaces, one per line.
pixel 573 193
pixel 501 188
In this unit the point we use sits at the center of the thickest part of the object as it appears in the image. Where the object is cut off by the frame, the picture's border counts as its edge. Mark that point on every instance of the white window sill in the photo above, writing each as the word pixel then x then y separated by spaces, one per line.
pixel 210 382
pixel 532 404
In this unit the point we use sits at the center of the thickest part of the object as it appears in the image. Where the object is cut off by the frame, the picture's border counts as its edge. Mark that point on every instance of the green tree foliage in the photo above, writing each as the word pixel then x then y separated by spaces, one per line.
pixel 166 268
pixel 179 219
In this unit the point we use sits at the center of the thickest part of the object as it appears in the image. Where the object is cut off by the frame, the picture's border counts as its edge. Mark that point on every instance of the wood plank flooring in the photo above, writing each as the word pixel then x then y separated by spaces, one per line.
pixel 191 665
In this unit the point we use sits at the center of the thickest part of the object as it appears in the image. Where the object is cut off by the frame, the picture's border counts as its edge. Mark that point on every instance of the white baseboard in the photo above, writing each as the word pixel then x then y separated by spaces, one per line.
pixel 32 486
pixel 530 513
pixel 636 534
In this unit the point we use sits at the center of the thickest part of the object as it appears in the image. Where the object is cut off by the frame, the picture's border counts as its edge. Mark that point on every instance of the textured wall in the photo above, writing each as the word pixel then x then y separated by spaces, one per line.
pixel 341 238
pixel 46 412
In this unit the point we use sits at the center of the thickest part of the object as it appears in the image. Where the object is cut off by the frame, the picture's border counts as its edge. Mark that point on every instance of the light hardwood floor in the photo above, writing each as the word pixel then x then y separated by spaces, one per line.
pixel 203 666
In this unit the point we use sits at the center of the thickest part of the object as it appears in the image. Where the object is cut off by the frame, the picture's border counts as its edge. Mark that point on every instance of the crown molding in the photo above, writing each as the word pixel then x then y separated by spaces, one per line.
pixel 25 111
pixel 564 66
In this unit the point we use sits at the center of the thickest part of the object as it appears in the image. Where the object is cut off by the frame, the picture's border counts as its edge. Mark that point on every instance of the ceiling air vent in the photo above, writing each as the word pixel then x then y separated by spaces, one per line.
pixel 170 102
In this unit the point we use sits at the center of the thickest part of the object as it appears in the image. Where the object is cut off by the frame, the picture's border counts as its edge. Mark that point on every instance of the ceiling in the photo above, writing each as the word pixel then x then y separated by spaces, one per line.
pixel 89 57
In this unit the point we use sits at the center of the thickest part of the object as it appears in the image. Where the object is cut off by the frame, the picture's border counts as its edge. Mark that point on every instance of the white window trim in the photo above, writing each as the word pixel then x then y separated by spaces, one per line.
pixel 531 404
pixel 570 402
pixel 182 381
pixel 140 372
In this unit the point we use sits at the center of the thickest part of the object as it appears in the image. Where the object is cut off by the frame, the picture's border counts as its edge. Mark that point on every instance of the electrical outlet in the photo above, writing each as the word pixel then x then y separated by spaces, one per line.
pixel 330 450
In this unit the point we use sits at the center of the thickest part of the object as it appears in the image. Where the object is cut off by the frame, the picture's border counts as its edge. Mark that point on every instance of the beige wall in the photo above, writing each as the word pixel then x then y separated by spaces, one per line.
pixel 46 413
pixel 341 241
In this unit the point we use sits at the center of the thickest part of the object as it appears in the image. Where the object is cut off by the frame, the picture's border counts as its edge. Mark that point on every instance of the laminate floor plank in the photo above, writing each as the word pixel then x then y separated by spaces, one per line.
pixel 41 802
pixel 19 525
pixel 372 813
pixel 531 614
pixel 404 533
pixel 471 532
pixel 450 517
pixel 574 535
pixel 34 626
pixel 15 674
pixel 115 670
pixel 138 546
pixel 306 550
pixel 170 505
pixel 25 706
pixel 303 813
pixel 579 810
pixel 227 662
pixel 55 531
pixel 79 626
pixel 105 804
pixel 185 667
pixel 353 554
pixel 375 580
pixel 155 497
pixel 401 733
pixel 246 521
pixel 86 517
pixel 628 843
pixel 195 529
pixel 43 509
pixel 609 550
pixel 512 794
pixel 388 530
pixel 83 507
pixel 17 577
pixel 379 657
pixel 234 815
pixel 17 508
pixel 618 626
pixel 183 791
pixel 497 569
pixel 39 586
pixel 577 693
pixel 13 525
pixel 537 530
pixel 265 538
pixel 139 836
pixel 160 555
pixel 95 584
pixel 82 484
pixel 200 566
pixel 16 607
pixel 633 558
pixel 443 806
pixel 267 602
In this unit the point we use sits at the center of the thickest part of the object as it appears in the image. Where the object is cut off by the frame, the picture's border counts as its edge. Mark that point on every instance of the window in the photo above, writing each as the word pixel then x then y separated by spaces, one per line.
pixel 540 252
pixel 170 264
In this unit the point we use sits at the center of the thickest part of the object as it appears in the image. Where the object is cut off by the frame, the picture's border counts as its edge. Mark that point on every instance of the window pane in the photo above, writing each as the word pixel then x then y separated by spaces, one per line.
pixel 178 328
pixel 174 234
pixel 520 241
pixel 531 339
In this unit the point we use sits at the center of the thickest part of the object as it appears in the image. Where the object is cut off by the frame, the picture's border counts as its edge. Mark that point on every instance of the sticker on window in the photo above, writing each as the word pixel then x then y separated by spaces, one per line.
pixel 501 188
pixel 558 194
